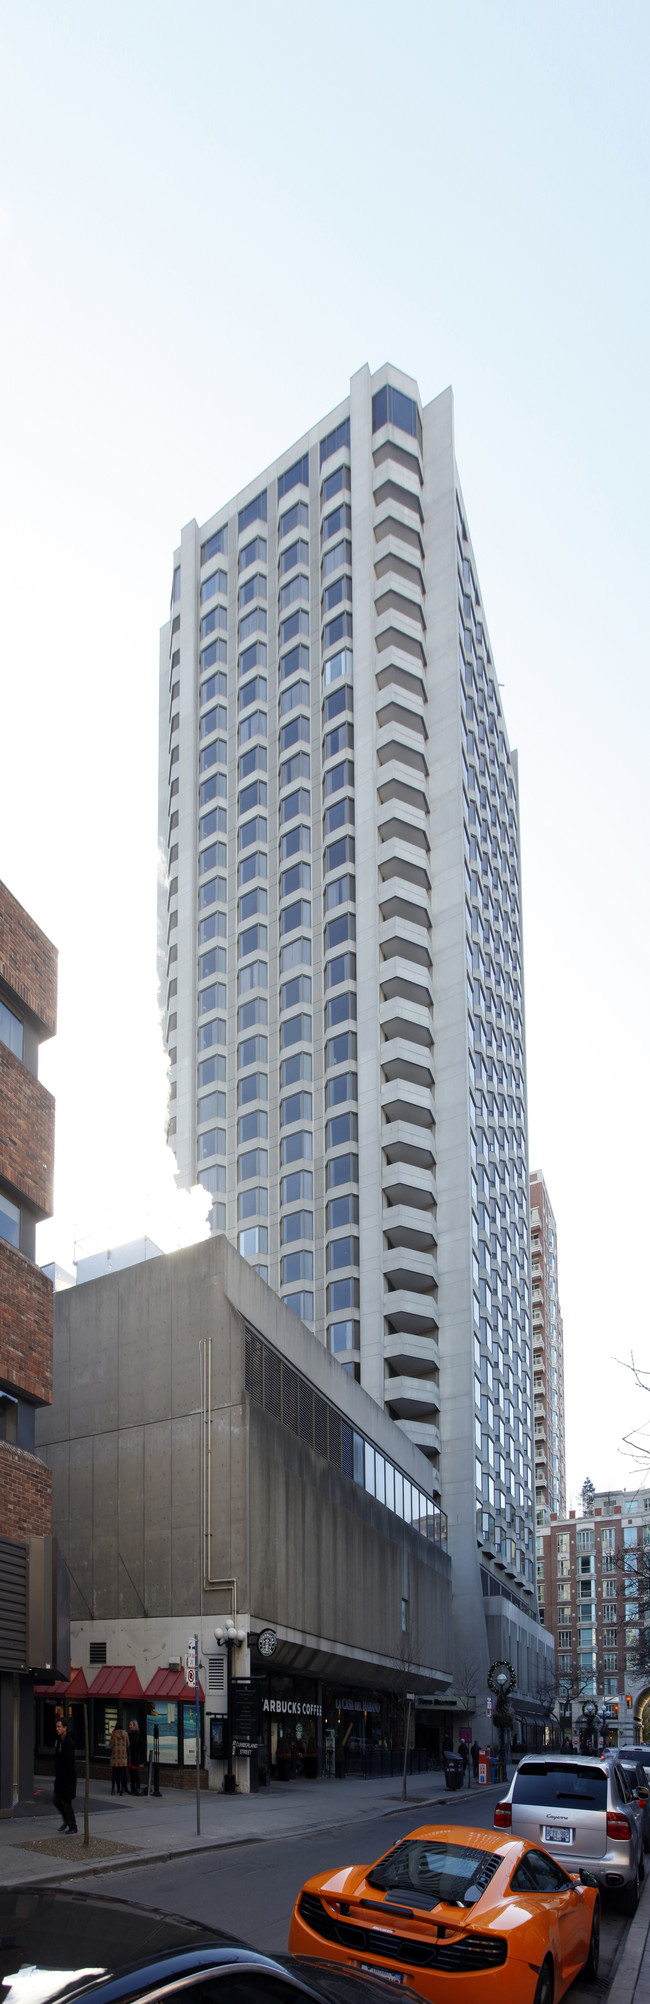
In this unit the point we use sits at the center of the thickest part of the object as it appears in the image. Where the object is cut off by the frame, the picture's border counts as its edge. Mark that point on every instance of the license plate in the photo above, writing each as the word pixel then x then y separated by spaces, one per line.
pixel 387 1975
pixel 553 1835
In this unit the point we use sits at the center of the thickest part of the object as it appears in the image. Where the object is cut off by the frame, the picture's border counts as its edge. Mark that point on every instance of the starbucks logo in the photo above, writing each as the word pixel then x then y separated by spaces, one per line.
pixel 267 1642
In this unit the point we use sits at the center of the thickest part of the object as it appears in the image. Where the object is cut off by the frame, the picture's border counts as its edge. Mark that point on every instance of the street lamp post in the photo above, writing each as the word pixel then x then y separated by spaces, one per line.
pixel 501 1681
pixel 229 1638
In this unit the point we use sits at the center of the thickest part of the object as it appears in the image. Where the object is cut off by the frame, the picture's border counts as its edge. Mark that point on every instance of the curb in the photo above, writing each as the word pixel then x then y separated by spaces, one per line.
pixel 136 1860
pixel 631 1954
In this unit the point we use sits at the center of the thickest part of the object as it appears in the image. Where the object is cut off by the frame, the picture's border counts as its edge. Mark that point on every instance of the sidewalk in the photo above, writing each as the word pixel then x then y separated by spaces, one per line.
pixel 163 1829
pixel 630 1982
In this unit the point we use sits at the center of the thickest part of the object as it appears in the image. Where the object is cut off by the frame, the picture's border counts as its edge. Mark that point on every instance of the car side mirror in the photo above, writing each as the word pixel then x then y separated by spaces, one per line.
pixel 589 1879
pixel 642 1794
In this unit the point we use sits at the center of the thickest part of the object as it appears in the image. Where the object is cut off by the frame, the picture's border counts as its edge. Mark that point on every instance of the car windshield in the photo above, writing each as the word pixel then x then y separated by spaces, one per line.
pixel 559 1784
pixel 425 1872
pixel 55 1942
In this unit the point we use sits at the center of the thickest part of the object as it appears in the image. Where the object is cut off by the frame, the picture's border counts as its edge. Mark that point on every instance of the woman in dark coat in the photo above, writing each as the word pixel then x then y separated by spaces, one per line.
pixel 65 1777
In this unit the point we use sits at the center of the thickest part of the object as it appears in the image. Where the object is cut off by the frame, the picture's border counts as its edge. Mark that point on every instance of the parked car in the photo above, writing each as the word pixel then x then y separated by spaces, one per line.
pixel 638 1778
pixel 56 1945
pixel 581 1808
pixel 489 1910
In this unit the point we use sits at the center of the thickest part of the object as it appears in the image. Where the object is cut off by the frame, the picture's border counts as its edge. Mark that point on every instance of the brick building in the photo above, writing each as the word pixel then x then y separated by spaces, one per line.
pixel 31 1588
pixel 548 1356
pixel 591 1572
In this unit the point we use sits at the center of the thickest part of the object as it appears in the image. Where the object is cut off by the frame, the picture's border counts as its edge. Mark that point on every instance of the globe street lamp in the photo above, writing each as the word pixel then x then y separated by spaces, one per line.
pixel 229 1638
pixel 501 1681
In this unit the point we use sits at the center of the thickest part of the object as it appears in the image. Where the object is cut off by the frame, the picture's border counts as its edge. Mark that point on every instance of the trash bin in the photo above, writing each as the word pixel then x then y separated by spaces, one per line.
pixel 453 1770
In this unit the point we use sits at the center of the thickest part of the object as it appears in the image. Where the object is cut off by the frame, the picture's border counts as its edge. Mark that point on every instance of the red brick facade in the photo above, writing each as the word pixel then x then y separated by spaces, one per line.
pixel 25 1494
pixel 28 962
pixel 26 1134
pixel 26 1298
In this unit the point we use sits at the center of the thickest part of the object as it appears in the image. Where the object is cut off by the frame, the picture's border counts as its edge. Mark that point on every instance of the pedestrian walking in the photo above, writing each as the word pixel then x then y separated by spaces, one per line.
pixel 65 1777
pixel 475 1754
pixel 134 1756
pixel 119 1744
pixel 462 1749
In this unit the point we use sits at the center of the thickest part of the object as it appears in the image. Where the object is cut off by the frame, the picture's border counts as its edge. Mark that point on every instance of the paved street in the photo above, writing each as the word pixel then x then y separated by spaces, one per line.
pixel 249 1888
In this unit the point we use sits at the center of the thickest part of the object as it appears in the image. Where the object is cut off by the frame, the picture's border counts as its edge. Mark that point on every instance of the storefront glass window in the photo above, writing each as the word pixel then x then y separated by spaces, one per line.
pixel 370 1469
pixel 163 1714
pixel 380 1485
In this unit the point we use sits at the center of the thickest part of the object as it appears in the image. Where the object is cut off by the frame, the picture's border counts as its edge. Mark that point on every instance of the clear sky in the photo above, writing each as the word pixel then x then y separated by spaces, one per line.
pixel 209 217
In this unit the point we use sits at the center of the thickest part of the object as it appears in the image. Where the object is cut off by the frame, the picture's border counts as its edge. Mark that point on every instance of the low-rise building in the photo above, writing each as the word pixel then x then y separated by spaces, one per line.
pixel 591 1583
pixel 32 1584
pixel 211 1460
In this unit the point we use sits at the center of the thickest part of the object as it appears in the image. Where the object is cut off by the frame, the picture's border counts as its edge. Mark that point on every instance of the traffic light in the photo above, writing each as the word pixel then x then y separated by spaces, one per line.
pixel 615 1710
pixel 628 1701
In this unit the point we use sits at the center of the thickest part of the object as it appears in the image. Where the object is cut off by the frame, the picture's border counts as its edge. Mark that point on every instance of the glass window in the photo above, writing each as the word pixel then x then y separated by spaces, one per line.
pixel 252 1049
pixel 340 518
pixel 9 1222
pixel 297 1225
pixel 298 622
pixel 254 1086
pixel 300 1304
pixel 343 1169
pixel 297 1147
pixel 217 545
pixel 335 440
pixel 369 1467
pixel 176 585
pixel 254 587
pixel 11 1030
pixel 297 732
pixel 335 483
pixel 253 1202
pixel 253 1126
pixel 254 1240
pixel 342 1294
pixel 297 587
pixel 296 1030
pixel 334 558
pixel 334 595
pixel 253 553
pixel 390 406
pixel 253 692
pixel 342 1211
pixel 255 511
pixel 253 726
pixel 292 698
pixel 253 901
pixel 217 581
pixel 211 1107
pixel 343 1336
pixel 295 518
pixel 297 553
pixel 342 1252
pixel 299 1184
pixel 254 1163
pixel 297 1107
pixel 295 476
pixel 341 663
pixel 217 651
pixel 296 1266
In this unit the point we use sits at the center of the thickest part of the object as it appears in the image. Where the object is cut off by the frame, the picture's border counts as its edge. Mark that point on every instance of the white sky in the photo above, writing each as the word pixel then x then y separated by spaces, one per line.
pixel 209 218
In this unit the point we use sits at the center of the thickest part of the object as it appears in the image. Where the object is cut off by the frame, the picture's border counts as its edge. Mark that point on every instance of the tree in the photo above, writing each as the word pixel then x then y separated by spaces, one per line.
pixel 467 1682
pixel 588 1497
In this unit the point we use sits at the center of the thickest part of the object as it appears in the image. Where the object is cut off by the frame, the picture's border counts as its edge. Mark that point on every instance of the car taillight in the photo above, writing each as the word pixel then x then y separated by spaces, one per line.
pixel 617 1826
pixel 503 1816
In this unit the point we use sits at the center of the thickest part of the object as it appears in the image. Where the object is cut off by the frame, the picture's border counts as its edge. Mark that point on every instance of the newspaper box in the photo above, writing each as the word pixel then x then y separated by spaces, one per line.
pixel 483 1767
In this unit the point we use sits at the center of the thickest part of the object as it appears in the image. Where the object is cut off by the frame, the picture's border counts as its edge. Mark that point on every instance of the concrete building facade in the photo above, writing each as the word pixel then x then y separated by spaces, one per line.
pixel 593 1581
pixel 210 1460
pixel 548 1356
pixel 29 1579
pixel 341 951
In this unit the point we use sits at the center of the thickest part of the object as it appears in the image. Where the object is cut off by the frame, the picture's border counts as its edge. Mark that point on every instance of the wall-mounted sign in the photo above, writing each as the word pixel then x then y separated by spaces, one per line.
pixel 280 1707
pixel 267 1642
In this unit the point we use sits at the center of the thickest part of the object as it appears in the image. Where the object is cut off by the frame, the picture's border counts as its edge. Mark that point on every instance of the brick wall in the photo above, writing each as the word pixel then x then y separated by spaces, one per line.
pixel 26 1134
pixel 25 1494
pixel 28 961
pixel 26 1297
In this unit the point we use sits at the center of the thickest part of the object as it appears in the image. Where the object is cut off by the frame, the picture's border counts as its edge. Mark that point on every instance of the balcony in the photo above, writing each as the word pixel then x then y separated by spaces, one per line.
pixel 405 939
pixel 424 1434
pixel 26 1298
pixel 404 1185
pixel 411 1355
pixel 405 748
pixel 26 1135
pixel 403 822
pixel 397 860
pixel 406 1226
pixel 401 1100
pixel 400 1059
pixel 413 1269
pixel 404 1142
pixel 409 1311
pixel 407 979
pixel 412 1398
pixel 399 899
pixel 402 1017
pixel 405 712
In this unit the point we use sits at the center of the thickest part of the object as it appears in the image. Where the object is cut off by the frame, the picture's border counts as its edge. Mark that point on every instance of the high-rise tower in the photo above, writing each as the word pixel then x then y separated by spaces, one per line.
pixel 340 944
pixel 548 1356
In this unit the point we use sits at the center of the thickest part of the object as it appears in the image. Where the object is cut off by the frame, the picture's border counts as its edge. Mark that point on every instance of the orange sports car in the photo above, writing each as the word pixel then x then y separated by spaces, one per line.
pixel 456 1914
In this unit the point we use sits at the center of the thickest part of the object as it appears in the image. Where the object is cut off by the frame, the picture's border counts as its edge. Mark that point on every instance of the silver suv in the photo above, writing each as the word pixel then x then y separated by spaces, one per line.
pixel 583 1810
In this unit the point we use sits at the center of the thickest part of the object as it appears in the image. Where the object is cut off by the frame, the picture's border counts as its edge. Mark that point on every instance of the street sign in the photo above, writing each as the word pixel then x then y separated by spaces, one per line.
pixel 190 1676
pixel 488 1707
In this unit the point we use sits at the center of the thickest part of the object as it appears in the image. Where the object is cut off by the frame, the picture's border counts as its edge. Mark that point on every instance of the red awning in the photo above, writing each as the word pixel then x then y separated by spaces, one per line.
pixel 116 1681
pixel 168 1684
pixel 75 1689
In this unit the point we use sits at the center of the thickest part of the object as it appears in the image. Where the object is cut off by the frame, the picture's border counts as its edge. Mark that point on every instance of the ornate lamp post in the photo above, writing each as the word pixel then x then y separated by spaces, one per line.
pixel 230 1638
pixel 501 1681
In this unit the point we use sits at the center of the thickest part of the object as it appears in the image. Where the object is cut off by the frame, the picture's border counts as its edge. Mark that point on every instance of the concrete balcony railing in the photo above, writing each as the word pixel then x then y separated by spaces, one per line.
pixel 401 1059
pixel 403 1017
pixel 400 1100
pixel 424 1434
pixel 402 1141
pixel 406 1226
pixel 398 860
pixel 406 1184
pixel 405 938
pixel 408 1267
pixel 402 747
pixel 400 783
pixel 399 899
pixel 406 710
pixel 406 979
pixel 412 1356
pixel 409 1310
pixel 412 1398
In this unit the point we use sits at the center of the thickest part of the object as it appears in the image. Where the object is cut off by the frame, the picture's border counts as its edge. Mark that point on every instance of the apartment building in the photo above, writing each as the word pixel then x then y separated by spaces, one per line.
pixel 592 1576
pixel 340 948
pixel 548 1356
pixel 32 1587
